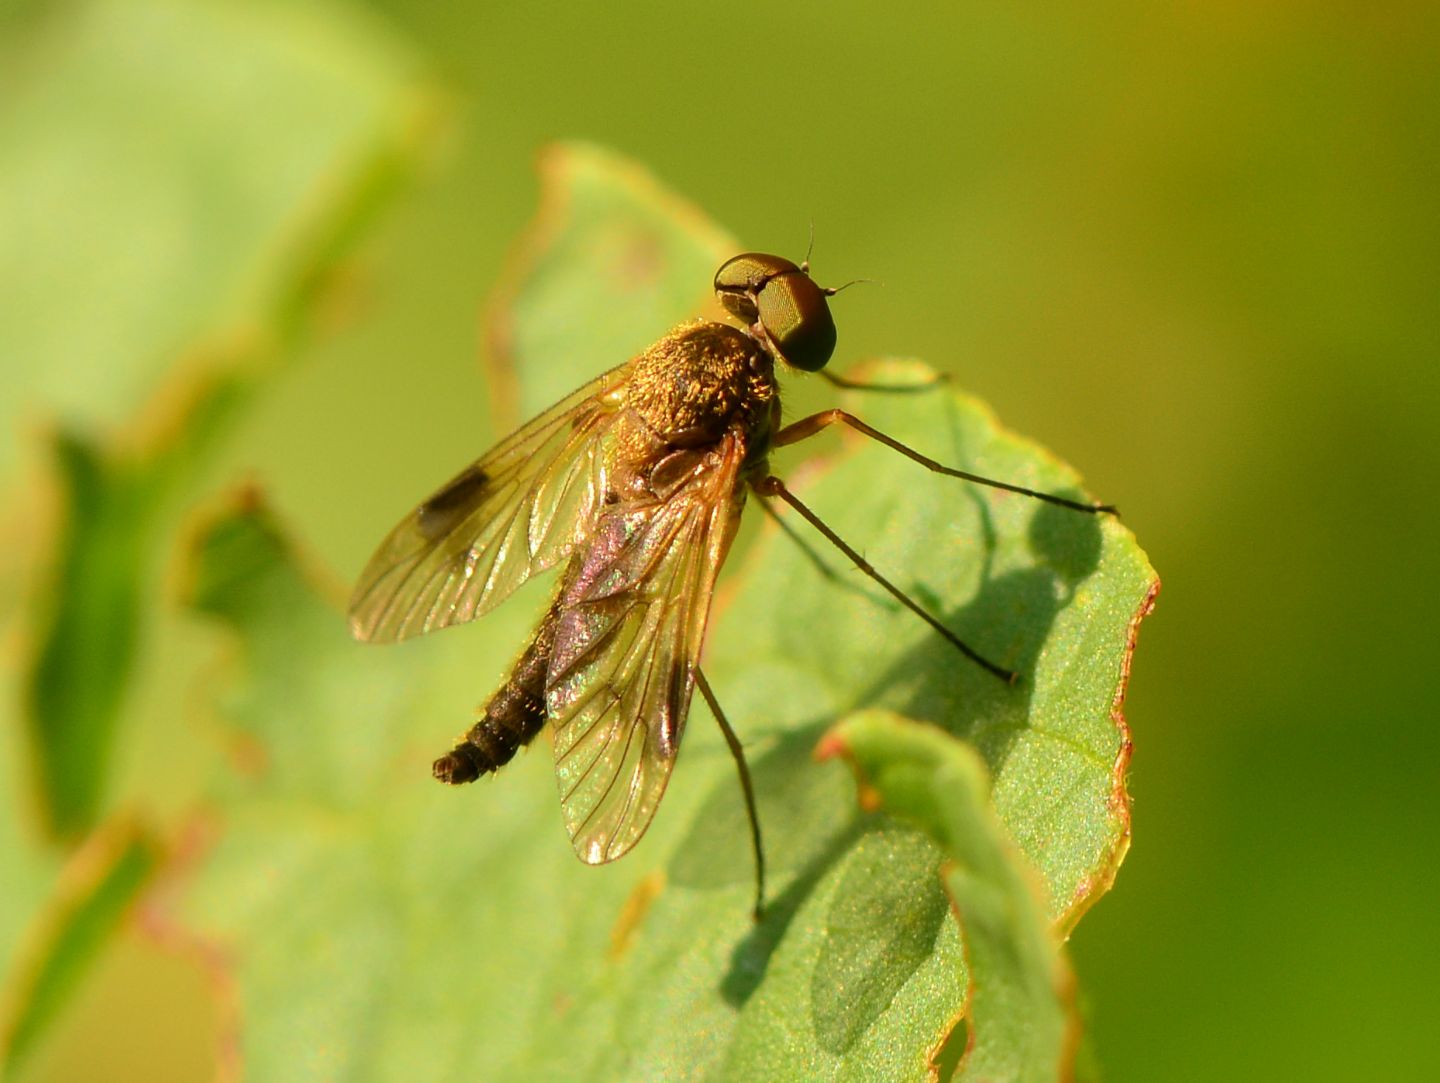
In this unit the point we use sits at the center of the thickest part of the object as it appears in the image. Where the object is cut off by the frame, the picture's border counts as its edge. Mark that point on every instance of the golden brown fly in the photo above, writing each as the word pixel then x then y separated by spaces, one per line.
pixel 634 483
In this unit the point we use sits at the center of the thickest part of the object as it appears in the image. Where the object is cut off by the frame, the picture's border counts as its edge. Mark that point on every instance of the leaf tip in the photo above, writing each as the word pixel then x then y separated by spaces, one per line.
pixel 836 744
pixel 831 746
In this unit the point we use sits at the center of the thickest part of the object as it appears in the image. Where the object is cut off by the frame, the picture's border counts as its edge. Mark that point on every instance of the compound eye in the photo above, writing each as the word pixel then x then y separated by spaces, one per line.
pixel 796 315
pixel 742 277
pixel 784 301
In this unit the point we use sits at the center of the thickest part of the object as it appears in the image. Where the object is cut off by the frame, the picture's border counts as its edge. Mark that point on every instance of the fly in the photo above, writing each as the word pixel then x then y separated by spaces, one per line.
pixel 634 485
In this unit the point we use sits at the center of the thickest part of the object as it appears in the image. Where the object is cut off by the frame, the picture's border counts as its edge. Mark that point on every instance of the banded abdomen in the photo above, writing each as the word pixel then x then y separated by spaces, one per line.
pixel 512 718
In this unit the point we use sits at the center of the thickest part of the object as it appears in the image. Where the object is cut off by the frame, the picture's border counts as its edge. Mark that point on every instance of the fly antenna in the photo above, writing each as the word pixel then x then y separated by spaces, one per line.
pixel 831 291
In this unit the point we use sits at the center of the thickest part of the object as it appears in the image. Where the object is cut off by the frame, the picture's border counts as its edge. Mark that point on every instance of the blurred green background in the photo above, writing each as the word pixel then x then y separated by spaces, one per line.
pixel 1193 248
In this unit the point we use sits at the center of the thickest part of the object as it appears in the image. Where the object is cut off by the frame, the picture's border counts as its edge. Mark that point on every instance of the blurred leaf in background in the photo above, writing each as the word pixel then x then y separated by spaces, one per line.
pixel 203 224
pixel 183 186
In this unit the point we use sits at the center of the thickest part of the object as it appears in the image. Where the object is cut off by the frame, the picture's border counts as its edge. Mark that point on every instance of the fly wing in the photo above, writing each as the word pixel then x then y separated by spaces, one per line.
pixel 514 512
pixel 626 648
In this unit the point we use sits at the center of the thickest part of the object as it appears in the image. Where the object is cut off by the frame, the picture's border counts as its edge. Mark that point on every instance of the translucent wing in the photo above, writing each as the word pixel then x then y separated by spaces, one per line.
pixel 626 647
pixel 514 512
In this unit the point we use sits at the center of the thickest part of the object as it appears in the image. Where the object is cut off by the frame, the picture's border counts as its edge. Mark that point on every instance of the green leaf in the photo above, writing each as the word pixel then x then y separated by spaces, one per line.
pixel 169 167
pixel 1053 594
pixel 185 185
pixel 1020 1015
pixel 88 628
pixel 101 886
pixel 30 868
pixel 384 925
pixel 159 211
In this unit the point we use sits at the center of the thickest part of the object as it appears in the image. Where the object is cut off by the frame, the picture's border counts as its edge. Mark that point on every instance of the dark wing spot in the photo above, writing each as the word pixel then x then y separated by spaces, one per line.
pixel 673 711
pixel 443 512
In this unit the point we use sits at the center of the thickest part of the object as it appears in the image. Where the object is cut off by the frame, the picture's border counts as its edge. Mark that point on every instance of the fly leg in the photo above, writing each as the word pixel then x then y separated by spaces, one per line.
pixel 807 427
pixel 773 486
pixel 745 784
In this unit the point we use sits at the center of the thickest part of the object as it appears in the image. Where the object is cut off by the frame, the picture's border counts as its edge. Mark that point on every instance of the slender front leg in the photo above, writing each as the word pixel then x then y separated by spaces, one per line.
pixel 807 427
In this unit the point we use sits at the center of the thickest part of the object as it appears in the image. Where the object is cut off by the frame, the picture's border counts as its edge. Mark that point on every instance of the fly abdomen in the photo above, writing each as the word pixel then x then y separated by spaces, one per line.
pixel 512 718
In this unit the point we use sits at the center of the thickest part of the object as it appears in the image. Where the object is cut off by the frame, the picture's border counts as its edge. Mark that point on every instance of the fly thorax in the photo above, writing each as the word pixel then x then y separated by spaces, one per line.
pixel 698 381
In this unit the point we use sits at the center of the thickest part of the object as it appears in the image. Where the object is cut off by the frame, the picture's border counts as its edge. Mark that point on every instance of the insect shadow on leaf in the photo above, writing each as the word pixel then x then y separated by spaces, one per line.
pixel 815 818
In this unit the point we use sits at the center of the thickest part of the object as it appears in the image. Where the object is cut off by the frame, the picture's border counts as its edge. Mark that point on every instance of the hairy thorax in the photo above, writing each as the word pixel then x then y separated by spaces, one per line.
pixel 699 385
pixel 699 381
